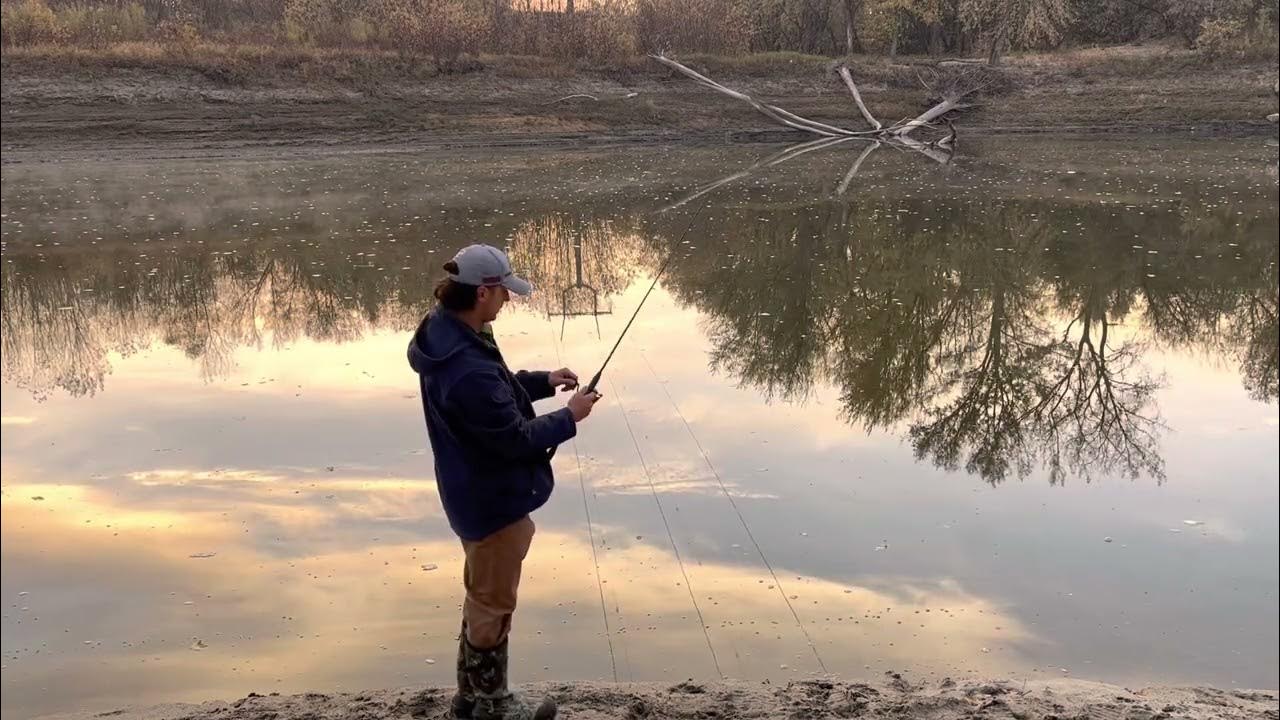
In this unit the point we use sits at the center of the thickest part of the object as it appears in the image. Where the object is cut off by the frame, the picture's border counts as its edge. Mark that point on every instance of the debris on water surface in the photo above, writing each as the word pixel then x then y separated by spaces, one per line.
pixel 430 566
pixel 1192 523
pixel 202 555
pixel 430 661
pixel 198 645
pixel 37 498
pixel 1106 539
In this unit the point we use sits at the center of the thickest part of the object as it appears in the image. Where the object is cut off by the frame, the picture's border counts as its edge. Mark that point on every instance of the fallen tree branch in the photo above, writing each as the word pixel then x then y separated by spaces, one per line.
pixel 820 126
pixel 895 136
pixel 570 97
pixel 929 116
pixel 772 112
pixel 857 97
pixel 736 95
pixel 789 119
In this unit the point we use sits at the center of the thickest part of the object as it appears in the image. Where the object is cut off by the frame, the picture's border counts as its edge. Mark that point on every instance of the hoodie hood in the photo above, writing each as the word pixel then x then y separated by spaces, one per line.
pixel 440 337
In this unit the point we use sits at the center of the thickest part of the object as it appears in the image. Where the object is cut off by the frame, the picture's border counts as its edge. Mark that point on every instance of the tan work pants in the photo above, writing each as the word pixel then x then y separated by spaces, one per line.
pixel 491 577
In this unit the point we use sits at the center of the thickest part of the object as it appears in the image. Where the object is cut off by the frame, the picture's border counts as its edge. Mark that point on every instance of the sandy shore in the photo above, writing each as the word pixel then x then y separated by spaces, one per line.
pixel 894 697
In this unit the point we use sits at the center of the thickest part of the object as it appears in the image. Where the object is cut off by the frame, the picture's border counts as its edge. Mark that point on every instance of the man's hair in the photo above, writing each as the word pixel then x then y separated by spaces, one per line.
pixel 453 295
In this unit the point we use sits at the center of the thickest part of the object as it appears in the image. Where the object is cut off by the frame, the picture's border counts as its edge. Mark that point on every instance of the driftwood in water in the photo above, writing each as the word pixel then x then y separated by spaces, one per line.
pixel 772 112
pixel 898 131
pixel 857 97
pixel 570 97
pixel 897 135
pixel 927 117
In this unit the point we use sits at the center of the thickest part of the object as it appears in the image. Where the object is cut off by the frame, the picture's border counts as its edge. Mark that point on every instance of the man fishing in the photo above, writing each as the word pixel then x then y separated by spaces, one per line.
pixel 492 463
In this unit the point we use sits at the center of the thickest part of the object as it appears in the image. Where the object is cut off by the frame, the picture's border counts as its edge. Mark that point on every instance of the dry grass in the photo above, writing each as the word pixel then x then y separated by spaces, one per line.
pixel 247 64
pixel 228 64
pixel 250 63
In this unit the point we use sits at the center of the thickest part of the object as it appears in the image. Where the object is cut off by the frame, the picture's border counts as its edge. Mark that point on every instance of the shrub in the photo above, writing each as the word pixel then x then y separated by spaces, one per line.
pixel 1216 36
pixel 30 22
pixel 601 34
pixel 101 25
pixel 179 32
pixel 325 22
pixel 715 26
pixel 443 30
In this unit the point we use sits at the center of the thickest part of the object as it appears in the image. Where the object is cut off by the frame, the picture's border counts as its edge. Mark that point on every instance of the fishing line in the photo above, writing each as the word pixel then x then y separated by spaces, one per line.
pixel 595 558
pixel 670 537
pixel 707 459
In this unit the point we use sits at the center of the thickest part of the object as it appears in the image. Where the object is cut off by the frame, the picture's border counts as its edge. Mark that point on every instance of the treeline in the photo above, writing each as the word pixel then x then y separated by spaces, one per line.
pixel 604 30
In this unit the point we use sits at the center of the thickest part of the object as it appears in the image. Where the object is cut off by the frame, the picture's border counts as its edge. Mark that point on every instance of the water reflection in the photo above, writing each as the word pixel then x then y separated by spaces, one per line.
pixel 999 337
pixel 63 320
pixel 366 604
pixel 205 402
pixel 578 264
pixel 1004 335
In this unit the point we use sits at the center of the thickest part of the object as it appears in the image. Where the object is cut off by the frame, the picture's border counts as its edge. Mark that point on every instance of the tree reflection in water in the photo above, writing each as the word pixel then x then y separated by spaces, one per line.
pixel 1000 336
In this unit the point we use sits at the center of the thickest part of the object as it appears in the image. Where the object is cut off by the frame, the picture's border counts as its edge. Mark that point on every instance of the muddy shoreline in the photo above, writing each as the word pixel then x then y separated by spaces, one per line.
pixel 893 697
pixel 54 109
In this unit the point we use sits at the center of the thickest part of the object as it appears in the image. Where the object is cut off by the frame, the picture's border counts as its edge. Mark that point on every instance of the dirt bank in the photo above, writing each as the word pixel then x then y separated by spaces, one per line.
pixel 144 101
pixel 895 697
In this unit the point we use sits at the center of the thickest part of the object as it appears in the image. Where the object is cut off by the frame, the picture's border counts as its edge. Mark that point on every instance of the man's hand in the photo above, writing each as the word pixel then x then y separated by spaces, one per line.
pixel 581 403
pixel 563 379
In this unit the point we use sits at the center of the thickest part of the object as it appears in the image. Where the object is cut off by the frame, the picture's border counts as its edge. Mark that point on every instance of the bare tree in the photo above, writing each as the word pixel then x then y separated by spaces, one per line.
pixel 1021 22
pixel 852 11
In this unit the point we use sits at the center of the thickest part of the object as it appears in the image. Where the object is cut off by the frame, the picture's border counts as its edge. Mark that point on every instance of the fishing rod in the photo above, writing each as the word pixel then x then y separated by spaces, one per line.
pixel 591 386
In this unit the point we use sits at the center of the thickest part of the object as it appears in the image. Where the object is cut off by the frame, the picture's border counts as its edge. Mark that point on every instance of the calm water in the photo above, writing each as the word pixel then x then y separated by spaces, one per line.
pixel 1012 417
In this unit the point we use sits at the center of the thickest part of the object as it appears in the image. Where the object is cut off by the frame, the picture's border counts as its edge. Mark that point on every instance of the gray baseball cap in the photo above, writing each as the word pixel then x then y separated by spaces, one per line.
pixel 487 265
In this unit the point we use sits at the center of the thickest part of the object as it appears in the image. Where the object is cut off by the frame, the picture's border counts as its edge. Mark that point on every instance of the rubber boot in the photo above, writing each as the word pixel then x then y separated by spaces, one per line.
pixel 463 704
pixel 487 672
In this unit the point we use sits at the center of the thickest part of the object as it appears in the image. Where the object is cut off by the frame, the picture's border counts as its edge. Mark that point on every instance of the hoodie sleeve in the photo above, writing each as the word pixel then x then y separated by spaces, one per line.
pixel 537 384
pixel 488 415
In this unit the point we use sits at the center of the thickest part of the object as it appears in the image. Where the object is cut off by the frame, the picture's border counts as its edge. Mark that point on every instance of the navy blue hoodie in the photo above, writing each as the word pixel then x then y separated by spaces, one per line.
pixel 492 451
